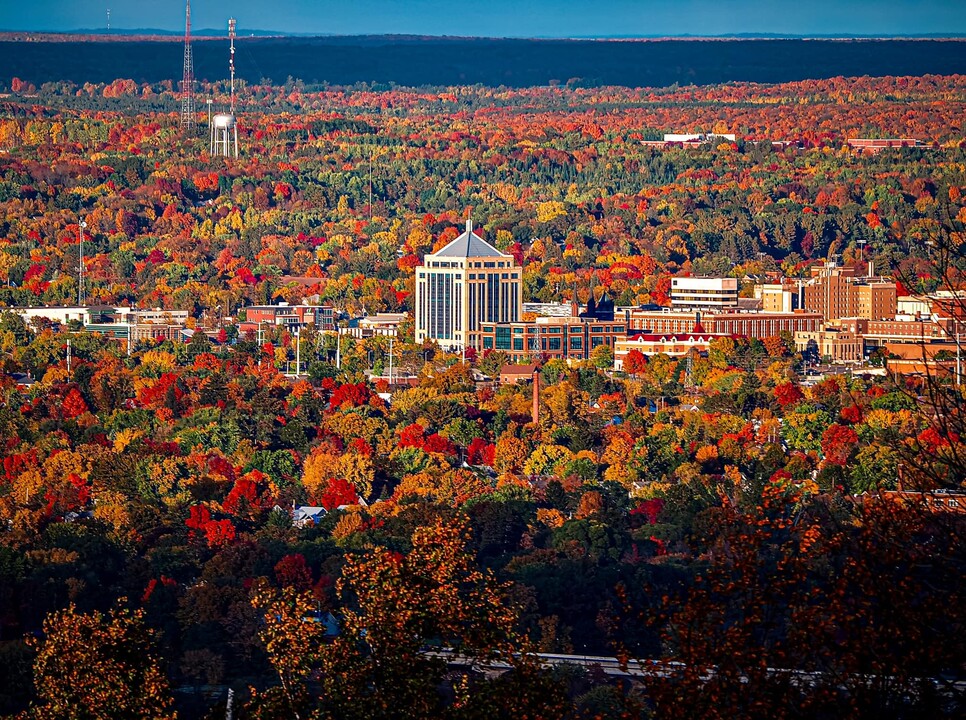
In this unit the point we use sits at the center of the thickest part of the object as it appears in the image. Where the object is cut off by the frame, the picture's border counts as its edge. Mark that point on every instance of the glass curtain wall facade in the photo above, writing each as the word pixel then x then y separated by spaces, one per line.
pixel 466 283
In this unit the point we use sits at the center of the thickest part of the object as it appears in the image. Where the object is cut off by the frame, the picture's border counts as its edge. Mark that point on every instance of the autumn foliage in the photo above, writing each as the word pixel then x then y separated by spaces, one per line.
pixel 724 514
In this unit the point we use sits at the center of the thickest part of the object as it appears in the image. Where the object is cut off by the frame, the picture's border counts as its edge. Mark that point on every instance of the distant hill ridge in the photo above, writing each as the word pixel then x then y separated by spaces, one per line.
pixel 257 32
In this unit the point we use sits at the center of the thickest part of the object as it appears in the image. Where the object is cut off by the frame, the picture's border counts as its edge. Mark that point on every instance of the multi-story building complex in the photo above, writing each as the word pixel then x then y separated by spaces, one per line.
pixel 873 146
pixel 151 331
pixel 153 316
pixel 745 324
pixel 948 303
pixel 462 286
pixel 386 324
pixel 655 343
pixel 876 300
pixel 552 337
pixel 141 325
pixel 126 324
pixel 838 346
pixel 61 315
pixel 762 325
pixel 783 297
pixel 692 140
pixel 291 316
pixel 836 292
pixel 900 329
pixel 549 309
pixel 923 359
pixel 913 306
pixel 704 293
pixel 699 137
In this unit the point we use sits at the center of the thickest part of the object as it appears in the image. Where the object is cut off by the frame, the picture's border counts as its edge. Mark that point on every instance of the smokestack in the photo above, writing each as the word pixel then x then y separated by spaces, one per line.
pixel 536 396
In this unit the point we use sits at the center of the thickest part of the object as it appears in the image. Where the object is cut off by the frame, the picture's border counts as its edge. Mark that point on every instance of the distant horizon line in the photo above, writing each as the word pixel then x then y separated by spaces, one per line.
pixel 205 33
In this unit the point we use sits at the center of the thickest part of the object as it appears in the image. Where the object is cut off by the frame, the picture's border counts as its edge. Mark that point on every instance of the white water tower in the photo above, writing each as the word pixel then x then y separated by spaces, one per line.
pixel 224 126
pixel 224 135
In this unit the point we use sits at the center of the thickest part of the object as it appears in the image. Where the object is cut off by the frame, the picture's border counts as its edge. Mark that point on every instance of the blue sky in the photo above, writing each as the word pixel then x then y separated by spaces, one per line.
pixel 504 18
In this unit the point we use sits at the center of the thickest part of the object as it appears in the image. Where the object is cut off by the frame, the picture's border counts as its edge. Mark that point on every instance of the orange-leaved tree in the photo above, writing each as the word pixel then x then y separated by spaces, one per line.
pixel 399 611
pixel 95 666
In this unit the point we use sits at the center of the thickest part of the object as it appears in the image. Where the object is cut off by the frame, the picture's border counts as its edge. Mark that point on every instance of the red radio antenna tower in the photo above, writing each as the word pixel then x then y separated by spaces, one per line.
pixel 188 81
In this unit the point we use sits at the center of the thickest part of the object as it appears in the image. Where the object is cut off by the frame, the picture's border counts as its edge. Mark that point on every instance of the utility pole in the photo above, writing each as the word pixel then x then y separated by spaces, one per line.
pixel 68 358
pixel 390 362
pixel 959 356
pixel 298 351
pixel 80 265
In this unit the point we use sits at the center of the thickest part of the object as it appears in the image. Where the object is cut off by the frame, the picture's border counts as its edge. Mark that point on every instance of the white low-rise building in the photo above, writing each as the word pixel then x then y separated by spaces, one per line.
pixel 380 324
pixel 61 315
pixel 704 293
pixel 699 137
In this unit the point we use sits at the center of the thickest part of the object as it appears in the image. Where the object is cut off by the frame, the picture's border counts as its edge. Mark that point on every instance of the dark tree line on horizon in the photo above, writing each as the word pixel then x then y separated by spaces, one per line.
pixel 486 61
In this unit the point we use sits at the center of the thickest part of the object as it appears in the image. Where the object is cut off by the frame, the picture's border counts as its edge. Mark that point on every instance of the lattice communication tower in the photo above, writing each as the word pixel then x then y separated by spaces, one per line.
pixel 188 80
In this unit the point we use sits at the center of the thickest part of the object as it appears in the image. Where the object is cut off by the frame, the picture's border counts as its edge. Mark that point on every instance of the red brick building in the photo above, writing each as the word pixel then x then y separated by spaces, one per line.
pixel 291 316
pixel 742 324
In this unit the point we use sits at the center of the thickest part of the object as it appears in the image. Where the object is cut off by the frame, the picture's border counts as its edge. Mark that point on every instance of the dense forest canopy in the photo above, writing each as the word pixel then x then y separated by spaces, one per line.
pixel 560 176
pixel 724 515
